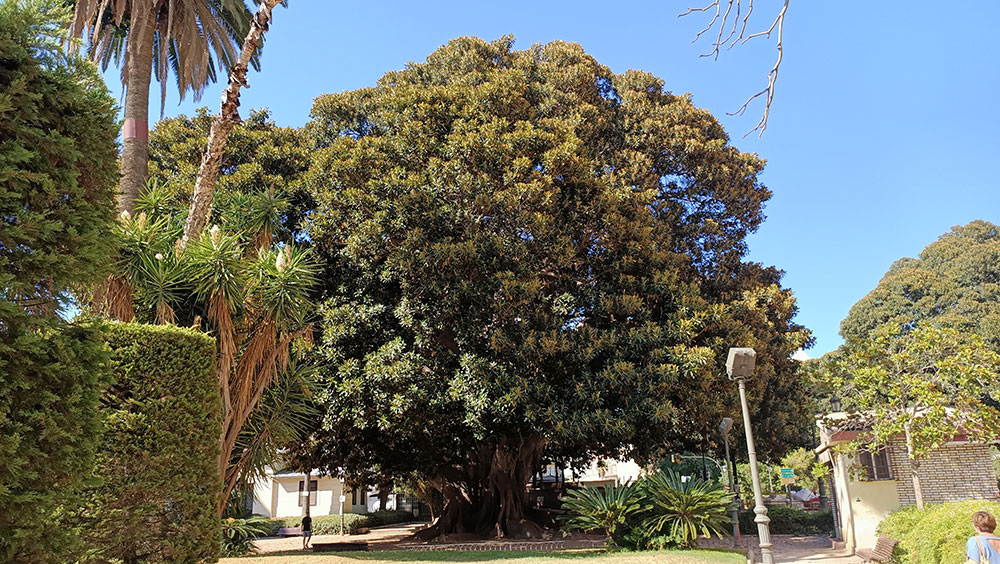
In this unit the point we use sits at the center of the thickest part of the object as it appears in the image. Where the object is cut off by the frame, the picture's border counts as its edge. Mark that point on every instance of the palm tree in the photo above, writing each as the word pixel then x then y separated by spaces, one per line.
pixel 187 38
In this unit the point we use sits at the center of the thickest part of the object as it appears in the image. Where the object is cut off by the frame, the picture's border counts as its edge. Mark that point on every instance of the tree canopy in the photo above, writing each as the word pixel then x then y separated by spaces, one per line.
pixel 529 256
pixel 955 282
pixel 926 384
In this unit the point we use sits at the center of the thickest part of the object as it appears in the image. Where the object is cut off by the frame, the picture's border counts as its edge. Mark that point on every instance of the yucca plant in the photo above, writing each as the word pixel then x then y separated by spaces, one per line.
pixel 607 509
pixel 681 511
pixel 250 291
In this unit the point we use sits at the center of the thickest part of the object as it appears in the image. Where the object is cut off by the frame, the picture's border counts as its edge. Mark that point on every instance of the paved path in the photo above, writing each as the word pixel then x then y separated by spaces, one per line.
pixel 378 538
pixel 793 549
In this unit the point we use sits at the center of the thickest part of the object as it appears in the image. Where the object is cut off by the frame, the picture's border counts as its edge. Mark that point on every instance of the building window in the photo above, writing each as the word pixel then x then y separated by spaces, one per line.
pixel 313 489
pixel 876 464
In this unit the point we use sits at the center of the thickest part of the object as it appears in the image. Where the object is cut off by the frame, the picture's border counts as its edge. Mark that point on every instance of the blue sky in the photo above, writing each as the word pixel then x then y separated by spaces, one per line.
pixel 882 136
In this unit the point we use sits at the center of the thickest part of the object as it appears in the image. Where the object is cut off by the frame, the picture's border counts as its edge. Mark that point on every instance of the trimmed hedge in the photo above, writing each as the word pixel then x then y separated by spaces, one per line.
pixel 49 426
pixel 790 521
pixel 353 522
pixel 935 535
pixel 158 457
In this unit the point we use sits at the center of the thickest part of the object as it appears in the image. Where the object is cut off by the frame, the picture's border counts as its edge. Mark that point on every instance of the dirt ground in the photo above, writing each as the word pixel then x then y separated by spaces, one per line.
pixel 380 538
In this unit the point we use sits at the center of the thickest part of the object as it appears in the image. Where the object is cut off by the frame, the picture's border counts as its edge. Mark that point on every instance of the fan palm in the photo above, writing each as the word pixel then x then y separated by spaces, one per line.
pixel 190 39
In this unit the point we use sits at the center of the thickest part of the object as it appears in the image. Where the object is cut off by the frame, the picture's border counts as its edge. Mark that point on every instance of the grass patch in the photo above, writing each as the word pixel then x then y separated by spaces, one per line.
pixel 512 557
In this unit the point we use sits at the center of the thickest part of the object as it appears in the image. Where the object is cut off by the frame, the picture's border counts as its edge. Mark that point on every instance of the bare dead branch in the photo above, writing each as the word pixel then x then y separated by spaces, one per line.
pixel 733 38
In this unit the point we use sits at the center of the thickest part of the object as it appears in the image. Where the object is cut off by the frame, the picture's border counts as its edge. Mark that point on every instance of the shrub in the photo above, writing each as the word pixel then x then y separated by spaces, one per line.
pixel 158 458
pixel 238 534
pixel 789 521
pixel 897 526
pixel 658 511
pixel 937 534
pixel 679 512
pixel 353 522
pixel 57 181
pixel 49 423
pixel 604 509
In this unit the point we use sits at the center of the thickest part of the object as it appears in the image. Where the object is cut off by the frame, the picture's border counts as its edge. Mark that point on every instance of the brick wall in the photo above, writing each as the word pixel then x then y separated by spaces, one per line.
pixel 951 473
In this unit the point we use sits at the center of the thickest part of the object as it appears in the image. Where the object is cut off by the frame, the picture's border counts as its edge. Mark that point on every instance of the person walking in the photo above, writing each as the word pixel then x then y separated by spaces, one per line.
pixel 984 546
pixel 307 531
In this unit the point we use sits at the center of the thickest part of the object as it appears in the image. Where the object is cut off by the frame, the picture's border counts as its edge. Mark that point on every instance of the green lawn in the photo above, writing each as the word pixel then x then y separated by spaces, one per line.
pixel 521 557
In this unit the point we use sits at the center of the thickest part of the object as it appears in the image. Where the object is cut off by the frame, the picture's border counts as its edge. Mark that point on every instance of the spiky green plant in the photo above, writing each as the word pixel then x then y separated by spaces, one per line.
pixel 607 509
pixel 238 534
pixel 683 510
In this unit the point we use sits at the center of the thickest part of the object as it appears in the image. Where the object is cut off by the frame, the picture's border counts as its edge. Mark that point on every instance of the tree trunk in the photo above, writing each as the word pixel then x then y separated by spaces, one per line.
pixel 383 496
pixel 222 126
pixel 307 498
pixel 918 492
pixel 135 132
pixel 489 497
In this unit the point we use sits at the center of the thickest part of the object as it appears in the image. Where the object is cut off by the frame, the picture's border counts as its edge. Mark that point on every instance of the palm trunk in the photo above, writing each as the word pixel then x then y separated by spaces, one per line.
pixel 135 133
pixel 222 126
pixel 307 498
pixel 918 492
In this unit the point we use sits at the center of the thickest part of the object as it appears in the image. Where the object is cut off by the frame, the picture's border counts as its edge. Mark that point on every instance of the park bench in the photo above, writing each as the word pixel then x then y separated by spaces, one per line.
pixel 882 551
pixel 290 532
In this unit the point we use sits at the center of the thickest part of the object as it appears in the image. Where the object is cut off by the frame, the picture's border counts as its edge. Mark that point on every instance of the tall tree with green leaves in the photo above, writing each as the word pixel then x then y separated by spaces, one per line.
pixel 926 385
pixel 246 280
pixel 57 181
pixel 520 249
pixel 189 39
pixel 954 282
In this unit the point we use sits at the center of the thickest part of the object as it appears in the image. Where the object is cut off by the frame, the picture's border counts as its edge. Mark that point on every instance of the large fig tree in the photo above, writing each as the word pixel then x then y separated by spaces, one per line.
pixel 529 258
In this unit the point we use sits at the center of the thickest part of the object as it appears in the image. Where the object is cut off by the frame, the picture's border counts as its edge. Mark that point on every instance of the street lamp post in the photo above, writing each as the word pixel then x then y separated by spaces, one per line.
pixel 739 366
pixel 724 428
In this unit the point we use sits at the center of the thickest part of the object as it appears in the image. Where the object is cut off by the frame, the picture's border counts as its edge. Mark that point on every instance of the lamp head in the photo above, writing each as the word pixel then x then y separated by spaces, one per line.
pixel 740 363
pixel 726 425
pixel 835 403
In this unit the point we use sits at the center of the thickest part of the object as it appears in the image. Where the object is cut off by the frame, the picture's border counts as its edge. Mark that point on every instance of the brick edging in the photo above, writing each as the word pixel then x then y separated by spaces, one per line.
pixel 507 546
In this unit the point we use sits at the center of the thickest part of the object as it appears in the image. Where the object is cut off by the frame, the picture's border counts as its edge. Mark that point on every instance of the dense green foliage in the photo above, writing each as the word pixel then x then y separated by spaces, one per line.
pixel 789 521
pixel 926 385
pixel 57 163
pixel 897 525
pixel 680 511
pixel 658 511
pixel 353 522
pixel 57 178
pixel 257 188
pixel 243 279
pixel 955 282
pixel 238 534
pixel 529 255
pixel 157 459
pixel 50 382
pixel 609 509
pixel 935 535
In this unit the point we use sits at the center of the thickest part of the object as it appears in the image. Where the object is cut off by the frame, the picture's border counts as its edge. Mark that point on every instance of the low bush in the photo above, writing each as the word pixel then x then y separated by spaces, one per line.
pixel 238 534
pixel 789 521
pixel 897 526
pixel 935 535
pixel 353 522
pixel 607 509
pixel 659 511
